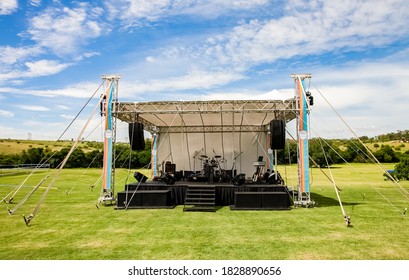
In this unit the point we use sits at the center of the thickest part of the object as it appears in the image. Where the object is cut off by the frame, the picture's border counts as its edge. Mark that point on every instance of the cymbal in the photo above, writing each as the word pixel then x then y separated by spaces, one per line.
pixel 203 156
pixel 217 156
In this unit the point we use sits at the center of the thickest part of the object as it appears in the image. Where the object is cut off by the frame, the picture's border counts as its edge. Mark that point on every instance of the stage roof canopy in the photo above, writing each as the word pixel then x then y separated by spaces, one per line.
pixel 206 116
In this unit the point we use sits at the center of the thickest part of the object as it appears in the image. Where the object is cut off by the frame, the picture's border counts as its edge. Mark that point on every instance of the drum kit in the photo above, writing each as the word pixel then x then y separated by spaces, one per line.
pixel 211 168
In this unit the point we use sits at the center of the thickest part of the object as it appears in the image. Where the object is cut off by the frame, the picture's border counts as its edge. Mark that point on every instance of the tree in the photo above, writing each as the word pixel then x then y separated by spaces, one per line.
pixel 386 154
pixel 323 152
pixel 402 169
pixel 77 159
pixel 94 159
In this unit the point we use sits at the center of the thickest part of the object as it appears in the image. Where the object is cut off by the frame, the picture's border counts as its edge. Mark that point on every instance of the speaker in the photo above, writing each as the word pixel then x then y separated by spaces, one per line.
pixel 170 168
pixel 277 134
pixel 272 179
pixel 239 180
pixel 248 200
pixel 140 177
pixel 129 198
pixel 156 198
pixel 275 200
pixel 168 179
pixel 136 137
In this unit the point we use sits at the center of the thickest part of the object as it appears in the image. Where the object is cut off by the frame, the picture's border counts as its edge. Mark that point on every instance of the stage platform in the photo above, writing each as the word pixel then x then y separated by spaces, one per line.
pixel 248 196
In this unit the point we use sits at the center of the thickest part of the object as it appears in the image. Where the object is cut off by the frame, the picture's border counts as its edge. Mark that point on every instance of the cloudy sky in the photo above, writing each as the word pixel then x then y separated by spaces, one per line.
pixel 53 53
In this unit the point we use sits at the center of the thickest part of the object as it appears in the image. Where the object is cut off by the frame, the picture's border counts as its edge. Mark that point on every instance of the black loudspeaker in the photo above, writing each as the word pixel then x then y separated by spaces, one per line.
pixel 272 179
pixel 136 137
pixel 275 200
pixel 140 177
pixel 170 168
pixel 156 198
pixel 248 200
pixel 168 179
pixel 277 134
pixel 239 179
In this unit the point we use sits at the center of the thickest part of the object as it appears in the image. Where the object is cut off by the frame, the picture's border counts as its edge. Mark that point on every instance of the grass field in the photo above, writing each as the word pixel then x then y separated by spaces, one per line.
pixel 69 226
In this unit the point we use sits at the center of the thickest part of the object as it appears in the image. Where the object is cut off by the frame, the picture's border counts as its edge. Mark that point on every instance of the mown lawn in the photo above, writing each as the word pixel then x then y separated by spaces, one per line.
pixel 69 225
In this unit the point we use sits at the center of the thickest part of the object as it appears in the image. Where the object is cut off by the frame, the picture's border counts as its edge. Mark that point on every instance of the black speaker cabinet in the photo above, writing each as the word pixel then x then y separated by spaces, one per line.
pixel 140 177
pixel 248 200
pixel 129 199
pixel 275 200
pixel 261 200
pixel 156 198
pixel 277 134
pixel 239 180
pixel 144 199
pixel 170 168
pixel 168 179
pixel 136 137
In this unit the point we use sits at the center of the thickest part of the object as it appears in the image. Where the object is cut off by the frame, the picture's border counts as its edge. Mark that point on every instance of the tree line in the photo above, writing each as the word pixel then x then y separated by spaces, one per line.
pixel 327 152
pixel 80 159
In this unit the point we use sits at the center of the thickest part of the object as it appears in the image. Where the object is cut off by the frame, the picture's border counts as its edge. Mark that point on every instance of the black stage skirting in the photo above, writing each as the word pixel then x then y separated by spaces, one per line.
pixel 225 192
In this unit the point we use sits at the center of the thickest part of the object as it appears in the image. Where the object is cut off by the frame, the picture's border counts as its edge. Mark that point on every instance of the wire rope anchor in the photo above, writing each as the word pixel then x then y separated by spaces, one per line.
pixel 348 220
pixel 28 219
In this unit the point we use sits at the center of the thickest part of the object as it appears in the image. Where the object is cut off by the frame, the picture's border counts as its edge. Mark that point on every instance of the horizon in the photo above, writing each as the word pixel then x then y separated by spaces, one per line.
pixel 53 54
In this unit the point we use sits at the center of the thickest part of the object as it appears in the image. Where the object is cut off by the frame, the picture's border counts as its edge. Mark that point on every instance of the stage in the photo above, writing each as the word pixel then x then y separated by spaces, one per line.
pixel 248 196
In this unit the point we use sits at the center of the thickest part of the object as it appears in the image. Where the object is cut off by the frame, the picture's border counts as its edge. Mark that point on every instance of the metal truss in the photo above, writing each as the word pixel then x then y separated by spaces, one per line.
pixel 200 116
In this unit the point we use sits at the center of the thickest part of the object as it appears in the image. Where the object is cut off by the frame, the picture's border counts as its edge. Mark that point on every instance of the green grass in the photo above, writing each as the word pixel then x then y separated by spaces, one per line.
pixel 69 226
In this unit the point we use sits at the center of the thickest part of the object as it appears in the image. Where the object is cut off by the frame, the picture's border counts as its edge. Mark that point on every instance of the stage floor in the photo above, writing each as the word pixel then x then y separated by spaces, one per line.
pixel 225 193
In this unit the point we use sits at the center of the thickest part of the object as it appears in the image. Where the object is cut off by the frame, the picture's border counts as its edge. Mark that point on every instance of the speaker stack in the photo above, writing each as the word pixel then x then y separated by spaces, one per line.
pixel 277 134
pixel 136 137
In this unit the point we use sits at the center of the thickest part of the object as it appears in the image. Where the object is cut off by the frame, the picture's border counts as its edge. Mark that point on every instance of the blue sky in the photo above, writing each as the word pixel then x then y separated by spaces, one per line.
pixel 53 53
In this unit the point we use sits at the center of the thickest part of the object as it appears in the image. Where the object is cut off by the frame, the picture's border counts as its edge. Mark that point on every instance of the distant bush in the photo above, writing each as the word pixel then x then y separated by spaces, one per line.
pixel 402 169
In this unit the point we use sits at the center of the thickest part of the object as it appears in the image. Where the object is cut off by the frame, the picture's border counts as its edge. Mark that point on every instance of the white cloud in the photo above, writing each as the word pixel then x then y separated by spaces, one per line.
pixel 67 117
pixel 132 12
pixel 371 97
pixel 307 29
pixel 8 7
pixel 246 95
pixel 33 69
pixel 80 90
pixel 194 80
pixel 44 68
pixel 35 3
pixel 11 55
pixel 34 108
pixel 7 114
pixel 64 30
pixel 63 107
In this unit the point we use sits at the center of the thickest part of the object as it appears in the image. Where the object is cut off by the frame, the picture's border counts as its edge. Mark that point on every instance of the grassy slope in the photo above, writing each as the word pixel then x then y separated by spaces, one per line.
pixel 71 227
pixel 9 146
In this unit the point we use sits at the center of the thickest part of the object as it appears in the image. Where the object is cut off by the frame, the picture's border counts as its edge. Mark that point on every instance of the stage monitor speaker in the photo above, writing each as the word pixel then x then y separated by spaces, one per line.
pixel 136 137
pixel 272 179
pixel 277 134
pixel 239 180
pixel 168 179
pixel 140 177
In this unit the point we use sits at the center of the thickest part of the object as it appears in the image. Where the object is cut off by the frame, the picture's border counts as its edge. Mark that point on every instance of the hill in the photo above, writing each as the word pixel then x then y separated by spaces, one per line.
pixel 13 146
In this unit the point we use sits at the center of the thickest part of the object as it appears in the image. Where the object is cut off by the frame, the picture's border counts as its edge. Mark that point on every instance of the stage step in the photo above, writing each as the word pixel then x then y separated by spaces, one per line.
pixel 200 198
